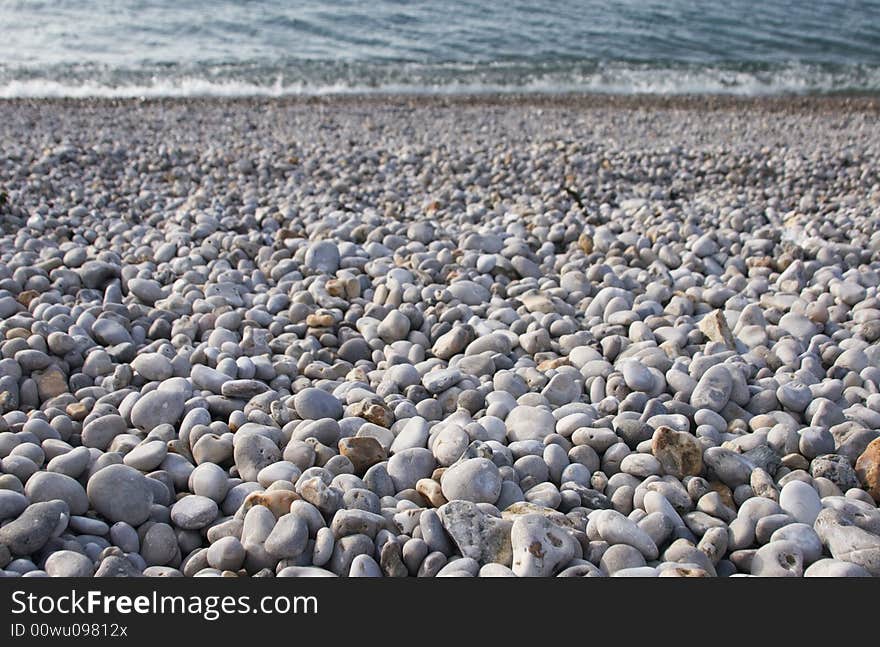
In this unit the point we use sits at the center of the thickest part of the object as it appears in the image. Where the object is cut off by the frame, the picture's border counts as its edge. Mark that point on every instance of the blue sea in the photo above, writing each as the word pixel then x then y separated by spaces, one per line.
pixel 273 48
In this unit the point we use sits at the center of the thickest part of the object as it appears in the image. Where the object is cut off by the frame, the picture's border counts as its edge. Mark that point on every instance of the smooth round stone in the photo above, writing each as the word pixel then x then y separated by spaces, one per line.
pixel 153 366
pixel 72 463
pixel 209 480
pixel 731 468
pixel 469 292
pixel 156 408
pixel 439 381
pixel 615 528
pixel 226 554
pixel 637 376
pixel 120 493
pixel 801 501
pixel 804 536
pixel 48 486
pixel 713 389
pixel 194 512
pixel 125 537
pixel 12 504
pixel 99 433
pixel 815 441
pixel 778 559
pixel 409 466
pixel 322 257
pixel 33 527
pixel 252 453
pixel 449 445
pixel 621 557
pixel 147 456
pixel 640 465
pixel 160 546
pixel 146 290
pixel 289 537
pixel 529 423
pixel 540 548
pixel 394 327
pixel 475 479
pixel 67 563
pixel 794 396
pixel 829 567
pixel 314 404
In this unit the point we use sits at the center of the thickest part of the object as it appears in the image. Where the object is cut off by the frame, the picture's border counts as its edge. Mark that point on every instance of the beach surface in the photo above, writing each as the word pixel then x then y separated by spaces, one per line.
pixel 418 336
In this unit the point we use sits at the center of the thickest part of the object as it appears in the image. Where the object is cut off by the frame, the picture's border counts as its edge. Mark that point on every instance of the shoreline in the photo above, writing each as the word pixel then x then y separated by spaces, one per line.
pixel 863 102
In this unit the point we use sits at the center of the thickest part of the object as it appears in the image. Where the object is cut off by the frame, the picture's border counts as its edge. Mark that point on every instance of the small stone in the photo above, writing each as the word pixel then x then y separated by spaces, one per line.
pixel 714 326
pixel 194 512
pixel 801 501
pixel 362 451
pixel 679 453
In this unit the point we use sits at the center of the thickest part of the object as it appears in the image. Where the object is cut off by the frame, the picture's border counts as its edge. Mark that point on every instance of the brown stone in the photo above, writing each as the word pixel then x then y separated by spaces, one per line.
pixel 335 288
pixel 50 382
pixel 18 333
pixel 714 327
pixel 556 362
pixel 679 452
pixel 375 412
pixel 77 411
pixel 724 492
pixel 795 462
pixel 25 298
pixel 319 320
pixel 430 489
pixel 278 501
pixel 362 451
pixel 585 242
pixel 868 468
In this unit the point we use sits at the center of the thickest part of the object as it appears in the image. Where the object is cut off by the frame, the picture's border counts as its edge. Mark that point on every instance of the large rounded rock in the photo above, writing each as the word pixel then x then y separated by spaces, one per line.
pixel 48 486
pixel 529 423
pixel 194 512
pixel 801 501
pixel 120 493
pixel 540 548
pixel 314 404
pixel 475 479
pixel 713 389
pixel 67 563
pixel 157 408
pixel 33 528
pixel 407 467
pixel 252 453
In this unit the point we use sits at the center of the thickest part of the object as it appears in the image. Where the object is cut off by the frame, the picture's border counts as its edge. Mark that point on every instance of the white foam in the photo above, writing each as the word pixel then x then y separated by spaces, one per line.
pixel 610 79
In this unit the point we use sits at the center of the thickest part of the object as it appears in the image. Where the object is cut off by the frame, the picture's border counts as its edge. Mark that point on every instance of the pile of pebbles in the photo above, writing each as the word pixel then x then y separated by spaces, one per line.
pixel 341 338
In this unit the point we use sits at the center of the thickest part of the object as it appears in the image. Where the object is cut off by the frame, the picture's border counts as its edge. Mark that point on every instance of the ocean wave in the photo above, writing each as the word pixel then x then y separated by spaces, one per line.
pixel 606 78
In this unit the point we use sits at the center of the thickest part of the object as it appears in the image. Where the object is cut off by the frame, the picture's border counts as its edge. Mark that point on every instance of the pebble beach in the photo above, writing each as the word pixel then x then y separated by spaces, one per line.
pixel 400 336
